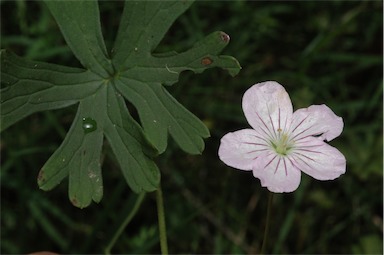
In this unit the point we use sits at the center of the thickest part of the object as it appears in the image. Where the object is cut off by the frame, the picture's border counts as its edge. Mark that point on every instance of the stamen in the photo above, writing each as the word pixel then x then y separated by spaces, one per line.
pixel 283 144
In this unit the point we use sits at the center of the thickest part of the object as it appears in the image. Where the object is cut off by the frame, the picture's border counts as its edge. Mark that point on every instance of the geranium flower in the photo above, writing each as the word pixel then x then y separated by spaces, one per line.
pixel 283 143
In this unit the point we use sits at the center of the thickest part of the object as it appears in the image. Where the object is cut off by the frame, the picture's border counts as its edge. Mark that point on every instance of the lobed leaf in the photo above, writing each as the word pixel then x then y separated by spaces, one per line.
pixel 141 73
pixel 134 73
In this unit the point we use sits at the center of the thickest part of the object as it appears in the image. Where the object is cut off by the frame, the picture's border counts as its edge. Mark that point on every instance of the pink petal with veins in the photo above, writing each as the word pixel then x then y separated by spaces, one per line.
pixel 277 173
pixel 318 159
pixel 316 120
pixel 267 106
pixel 239 149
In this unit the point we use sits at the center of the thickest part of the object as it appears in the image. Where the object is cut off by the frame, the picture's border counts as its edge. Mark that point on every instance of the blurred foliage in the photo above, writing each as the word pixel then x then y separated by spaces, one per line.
pixel 322 52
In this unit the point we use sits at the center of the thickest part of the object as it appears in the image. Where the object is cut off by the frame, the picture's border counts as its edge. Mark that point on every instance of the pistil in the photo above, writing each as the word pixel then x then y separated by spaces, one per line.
pixel 282 145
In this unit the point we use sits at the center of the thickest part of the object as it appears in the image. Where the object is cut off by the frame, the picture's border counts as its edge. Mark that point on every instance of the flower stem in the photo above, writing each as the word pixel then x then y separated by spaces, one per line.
pixel 266 230
pixel 120 230
pixel 161 222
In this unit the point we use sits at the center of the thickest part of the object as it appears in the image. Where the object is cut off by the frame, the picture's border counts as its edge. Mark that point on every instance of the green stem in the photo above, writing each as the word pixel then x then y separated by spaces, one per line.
pixel 161 220
pixel 266 230
pixel 125 223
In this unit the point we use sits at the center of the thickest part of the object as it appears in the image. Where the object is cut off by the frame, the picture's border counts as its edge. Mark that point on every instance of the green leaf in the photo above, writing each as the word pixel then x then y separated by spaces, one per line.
pixel 31 86
pixel 160 113
pixel 143 25
pixel 100 89
pixel 130 146
pixel 79 154
pixel 166 67
pixel 141 74
pixel 79 21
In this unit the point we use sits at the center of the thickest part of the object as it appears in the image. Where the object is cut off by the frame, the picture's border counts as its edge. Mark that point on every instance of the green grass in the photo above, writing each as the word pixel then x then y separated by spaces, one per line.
pixel 322 52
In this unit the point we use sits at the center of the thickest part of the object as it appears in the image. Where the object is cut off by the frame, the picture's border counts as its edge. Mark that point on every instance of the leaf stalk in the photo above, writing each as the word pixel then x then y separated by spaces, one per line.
pixel 266 230
pixel 161 222
pixel 120 230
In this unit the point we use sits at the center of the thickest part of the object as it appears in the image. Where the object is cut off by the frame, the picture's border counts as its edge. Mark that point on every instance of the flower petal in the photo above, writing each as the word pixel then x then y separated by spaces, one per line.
pixel 318 159
pixel 277 173
pixel 316 120
pixel 268 108
pixel 239 149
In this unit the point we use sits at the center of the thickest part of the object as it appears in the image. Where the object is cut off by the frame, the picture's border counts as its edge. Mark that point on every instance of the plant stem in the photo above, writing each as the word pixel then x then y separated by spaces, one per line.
pixel 266 230
pixel 161 220
pixel 125 223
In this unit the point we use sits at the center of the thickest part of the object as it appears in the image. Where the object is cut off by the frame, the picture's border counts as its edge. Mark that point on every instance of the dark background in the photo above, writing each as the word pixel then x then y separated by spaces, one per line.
pixel 322 52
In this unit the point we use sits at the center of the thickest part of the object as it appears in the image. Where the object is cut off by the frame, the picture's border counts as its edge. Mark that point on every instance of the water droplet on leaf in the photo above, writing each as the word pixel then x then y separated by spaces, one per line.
pixel 89 125
pixel 91 174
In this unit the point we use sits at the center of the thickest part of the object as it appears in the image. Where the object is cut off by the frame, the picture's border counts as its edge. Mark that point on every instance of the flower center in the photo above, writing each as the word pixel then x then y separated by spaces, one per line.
pixel 282 145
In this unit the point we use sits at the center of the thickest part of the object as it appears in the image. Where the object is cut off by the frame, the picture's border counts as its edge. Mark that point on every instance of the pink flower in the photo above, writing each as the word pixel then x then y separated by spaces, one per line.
pixel 283 143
